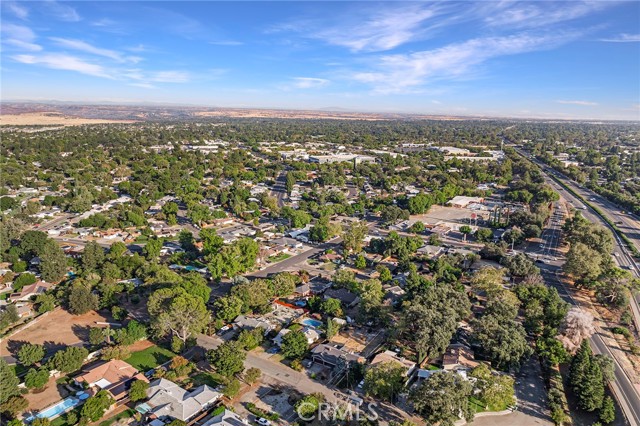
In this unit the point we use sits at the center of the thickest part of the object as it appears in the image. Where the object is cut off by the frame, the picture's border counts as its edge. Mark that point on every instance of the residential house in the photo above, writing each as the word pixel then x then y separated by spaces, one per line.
pixel 458 357
pixel 332 356
pixel 30 290
pixel 347 298
pixel 114 376
pixel 311 334
pixel 390 356
pixel 250 323
pixel 167 401
pixel 226 418
pixel 430 251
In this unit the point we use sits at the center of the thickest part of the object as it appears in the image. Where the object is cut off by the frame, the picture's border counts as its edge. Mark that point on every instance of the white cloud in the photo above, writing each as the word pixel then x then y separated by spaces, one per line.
pixel 169 77
pixel 402 73
pixel 87 48
pixel 623 38
pixel 534 15
pixel 227 43
pixel 383 31
pixel 61 61
pixel 307 83
pixel 20 36
pixel 581 103
pixel 17 9
pixel 61 11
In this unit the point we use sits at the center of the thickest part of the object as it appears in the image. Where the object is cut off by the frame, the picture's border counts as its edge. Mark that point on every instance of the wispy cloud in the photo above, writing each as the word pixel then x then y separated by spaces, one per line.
pixel 61 61
pixel 227 43
pixel 308 82
pixel 623 38
pixel 19 36
pixel 62 11
pixel 169 77
pixel 519 15
pixel 87 48
pixel 581 103
pixel 384 29
pixel 404 73
pixel 17 9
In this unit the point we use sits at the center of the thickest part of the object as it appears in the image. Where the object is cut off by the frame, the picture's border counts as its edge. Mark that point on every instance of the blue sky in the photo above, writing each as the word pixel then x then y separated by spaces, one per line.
pixel 545 59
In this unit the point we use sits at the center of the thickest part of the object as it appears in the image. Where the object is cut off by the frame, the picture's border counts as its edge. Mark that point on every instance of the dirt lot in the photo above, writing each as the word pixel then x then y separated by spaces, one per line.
pixel 50 395
pixel 50 118
pixel 56 330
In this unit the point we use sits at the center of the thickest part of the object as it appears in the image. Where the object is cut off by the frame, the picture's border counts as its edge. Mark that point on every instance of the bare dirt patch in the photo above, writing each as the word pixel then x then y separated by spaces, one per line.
pixel 51 118
pixel 55 331
pixel 51 394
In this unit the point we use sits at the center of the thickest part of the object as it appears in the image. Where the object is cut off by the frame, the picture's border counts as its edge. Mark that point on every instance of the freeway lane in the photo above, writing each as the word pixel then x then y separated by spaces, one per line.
pixel 623 388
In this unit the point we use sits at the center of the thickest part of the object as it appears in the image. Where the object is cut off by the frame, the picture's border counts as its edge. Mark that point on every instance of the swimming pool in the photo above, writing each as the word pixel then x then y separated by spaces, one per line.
pixel 312 322
pixel 59 408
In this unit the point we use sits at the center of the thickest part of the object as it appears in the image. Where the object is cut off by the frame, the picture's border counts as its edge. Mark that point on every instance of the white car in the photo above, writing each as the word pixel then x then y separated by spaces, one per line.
pixel 262 421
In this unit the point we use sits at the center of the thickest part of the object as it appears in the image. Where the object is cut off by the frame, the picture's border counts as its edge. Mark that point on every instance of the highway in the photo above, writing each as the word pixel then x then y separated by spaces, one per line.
pixel 624 389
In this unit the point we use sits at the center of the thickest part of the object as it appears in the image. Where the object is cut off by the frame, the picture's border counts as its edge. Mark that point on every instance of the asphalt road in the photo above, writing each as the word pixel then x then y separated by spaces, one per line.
pixel 622 386
pixel 279 188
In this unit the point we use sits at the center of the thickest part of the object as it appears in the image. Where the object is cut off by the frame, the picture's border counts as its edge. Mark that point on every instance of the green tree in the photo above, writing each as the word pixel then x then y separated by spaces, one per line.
pixel 294 345
pixel 352 238
pixel 138 390
pixel 176 312
pixel 503 341
pixel 8 382
pixel 251 339
pixel 227 307
pixel 53 262
pixel 443 398
pixel 36 379
pixel 68 360
pixel 96 336
pixel 385 273
pixel 228 358
pixel 331 306
pixel 45 302
pixel 92 256
pixel 586 379
pixel 41 421
pixel 484 235
pixel 417 227
pixel 82 299
pixel 8 316
pixel 385 380
pixel 15 405
pixel 252 375
pixel 360 262
pixel 30 353
pixel 583 262
pixel 284 284
pixel 432 317
pixel 95 406
pixel 152 248
pixel 465 230
pixel 608 411
pixel 495 389
pixel 307 406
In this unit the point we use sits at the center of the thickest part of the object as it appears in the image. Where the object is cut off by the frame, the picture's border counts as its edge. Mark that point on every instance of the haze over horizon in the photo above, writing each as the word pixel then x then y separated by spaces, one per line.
pixel 555 60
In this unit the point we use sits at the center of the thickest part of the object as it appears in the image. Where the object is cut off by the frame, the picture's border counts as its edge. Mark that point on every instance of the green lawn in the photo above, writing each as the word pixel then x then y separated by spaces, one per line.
pixel 278 258
pixel 149 358
pixel 477 405
pixel 126 414
pixel 209 379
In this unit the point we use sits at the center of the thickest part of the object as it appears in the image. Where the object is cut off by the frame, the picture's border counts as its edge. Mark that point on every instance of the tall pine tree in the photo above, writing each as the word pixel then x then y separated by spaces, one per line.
pixel 8 382
pixel 586 379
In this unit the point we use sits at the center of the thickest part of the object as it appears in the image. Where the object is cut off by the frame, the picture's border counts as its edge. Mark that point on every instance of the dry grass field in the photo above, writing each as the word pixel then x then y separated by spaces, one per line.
pixel 50 119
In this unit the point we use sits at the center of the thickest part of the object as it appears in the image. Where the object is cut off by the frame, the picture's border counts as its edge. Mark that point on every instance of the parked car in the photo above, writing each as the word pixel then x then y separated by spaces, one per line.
pixel 262 421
